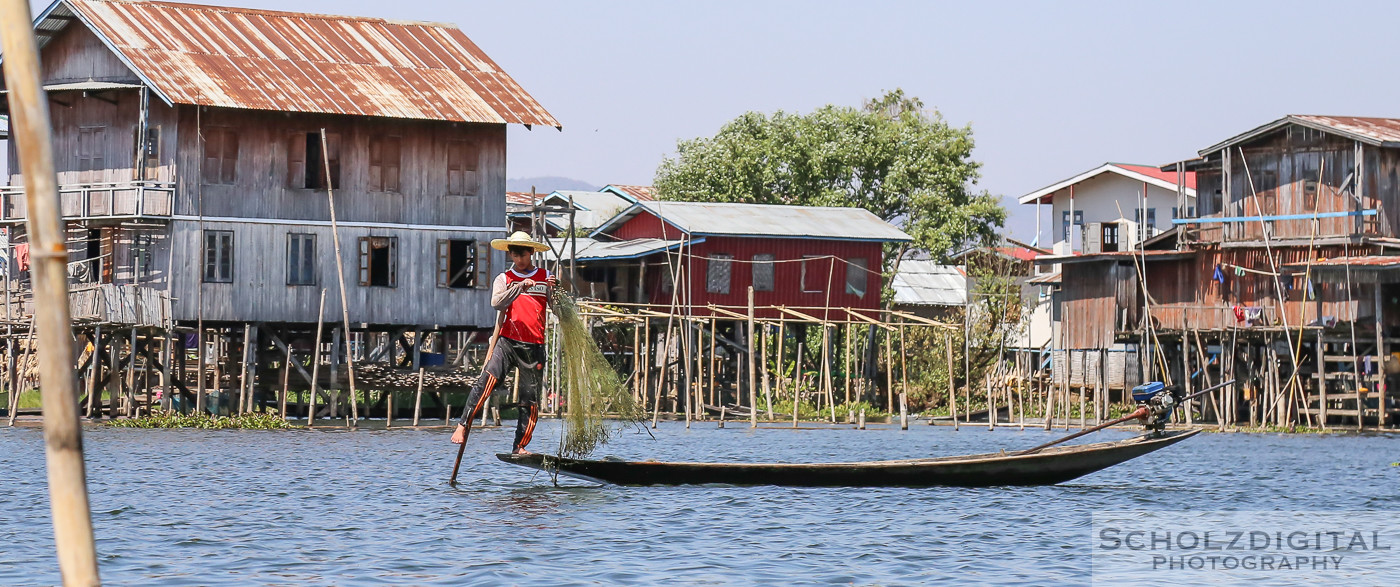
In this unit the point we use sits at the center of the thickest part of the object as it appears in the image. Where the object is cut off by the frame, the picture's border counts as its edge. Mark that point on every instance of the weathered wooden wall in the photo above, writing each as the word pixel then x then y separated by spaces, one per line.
pixel 259 291
pixel 76 55
pixel 261 188
pixel 1098 299
pixel 1298 170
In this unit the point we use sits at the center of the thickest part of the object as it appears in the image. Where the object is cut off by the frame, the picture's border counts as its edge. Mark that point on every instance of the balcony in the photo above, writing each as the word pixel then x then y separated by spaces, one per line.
pixel 100 303
pixel 98 201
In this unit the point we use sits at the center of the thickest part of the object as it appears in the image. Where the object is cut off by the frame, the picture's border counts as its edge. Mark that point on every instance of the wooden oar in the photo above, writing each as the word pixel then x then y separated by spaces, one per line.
pixel 490 349
pixel 1138 413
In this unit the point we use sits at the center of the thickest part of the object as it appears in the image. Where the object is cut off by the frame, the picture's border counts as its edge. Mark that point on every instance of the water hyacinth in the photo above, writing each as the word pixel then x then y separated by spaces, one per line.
pixel 592 388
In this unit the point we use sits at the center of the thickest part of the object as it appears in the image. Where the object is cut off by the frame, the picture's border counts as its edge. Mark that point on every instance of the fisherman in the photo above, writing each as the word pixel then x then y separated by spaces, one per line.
pixel 522 293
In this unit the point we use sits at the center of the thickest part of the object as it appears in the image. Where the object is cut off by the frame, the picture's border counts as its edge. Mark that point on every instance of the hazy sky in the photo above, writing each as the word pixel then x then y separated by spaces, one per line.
pixel 1050 88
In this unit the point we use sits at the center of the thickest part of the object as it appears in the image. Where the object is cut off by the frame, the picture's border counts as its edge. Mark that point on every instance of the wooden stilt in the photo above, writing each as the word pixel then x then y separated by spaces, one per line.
pixel 316 360
pixel 94 370
pixel 418 399
pixel 952 387
pixel 763 365
pixel 826 371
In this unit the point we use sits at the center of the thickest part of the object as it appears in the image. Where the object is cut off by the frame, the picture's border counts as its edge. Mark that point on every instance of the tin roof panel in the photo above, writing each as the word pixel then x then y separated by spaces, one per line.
pixel 267 60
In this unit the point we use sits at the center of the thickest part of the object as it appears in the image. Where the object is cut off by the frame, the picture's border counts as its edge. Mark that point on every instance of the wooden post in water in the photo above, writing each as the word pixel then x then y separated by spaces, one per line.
pixel 763 366
pixel 1381 357
pixel 94 369
pixel 826 370
pixel 286 375
pixel 63 442
pixel 418 399
pixel 316 361
pixel 952 386
pixel 753 371
pixel 846 364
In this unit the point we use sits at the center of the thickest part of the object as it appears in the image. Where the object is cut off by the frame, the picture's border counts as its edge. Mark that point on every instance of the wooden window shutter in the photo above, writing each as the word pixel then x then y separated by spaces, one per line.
pixel 364 260
pixel 442 262
pixel 389 158
pixel 296 160
pixel 483 265
pixel 229 162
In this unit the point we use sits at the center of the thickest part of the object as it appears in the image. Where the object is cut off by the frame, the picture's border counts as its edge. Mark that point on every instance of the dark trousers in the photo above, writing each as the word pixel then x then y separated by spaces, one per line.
pixel 529 358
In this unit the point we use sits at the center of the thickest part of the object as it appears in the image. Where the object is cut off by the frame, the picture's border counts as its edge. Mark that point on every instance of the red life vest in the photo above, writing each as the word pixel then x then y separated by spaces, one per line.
pixel 525 317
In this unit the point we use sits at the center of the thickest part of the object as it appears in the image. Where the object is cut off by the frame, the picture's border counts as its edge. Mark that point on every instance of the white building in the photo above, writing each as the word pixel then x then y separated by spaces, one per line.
pixel 1106 205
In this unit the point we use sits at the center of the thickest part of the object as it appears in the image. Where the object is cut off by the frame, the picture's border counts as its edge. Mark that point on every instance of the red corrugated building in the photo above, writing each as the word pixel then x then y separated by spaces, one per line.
pixel 802 257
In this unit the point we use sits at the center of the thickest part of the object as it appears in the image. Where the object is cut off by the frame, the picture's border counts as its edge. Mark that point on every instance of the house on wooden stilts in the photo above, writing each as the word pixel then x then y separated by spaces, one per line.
pixel 197 148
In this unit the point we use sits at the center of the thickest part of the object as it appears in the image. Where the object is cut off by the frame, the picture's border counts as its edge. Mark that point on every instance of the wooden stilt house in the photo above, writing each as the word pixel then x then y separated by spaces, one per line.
pixel 197 146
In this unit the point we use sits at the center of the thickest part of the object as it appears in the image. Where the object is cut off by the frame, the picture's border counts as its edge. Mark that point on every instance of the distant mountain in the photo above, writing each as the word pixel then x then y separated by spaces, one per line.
pixel 544 185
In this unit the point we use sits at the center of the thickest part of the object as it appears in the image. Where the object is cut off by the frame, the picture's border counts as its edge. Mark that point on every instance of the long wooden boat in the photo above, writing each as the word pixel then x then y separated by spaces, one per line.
pixel 1046 467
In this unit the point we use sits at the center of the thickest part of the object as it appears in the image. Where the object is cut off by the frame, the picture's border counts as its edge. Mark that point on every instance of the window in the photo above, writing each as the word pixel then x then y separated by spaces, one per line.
pixel 461 168
pixel 379 261
pixel 717 273
pixel 306 165
pixel 1064 221
pixel 301 259
pixel 142 257
pixel 384 164
pixel 218 256
pixel 220 155
pixel 1108 242
pixel 90 152
pixel 763 272
pixel 857 277
pixel 1152 217
pixel 814 268
pixel 458 262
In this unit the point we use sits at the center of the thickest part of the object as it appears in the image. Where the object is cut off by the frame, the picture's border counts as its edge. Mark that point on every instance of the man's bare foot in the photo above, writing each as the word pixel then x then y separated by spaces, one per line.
pixel 521 451
pixel 459 435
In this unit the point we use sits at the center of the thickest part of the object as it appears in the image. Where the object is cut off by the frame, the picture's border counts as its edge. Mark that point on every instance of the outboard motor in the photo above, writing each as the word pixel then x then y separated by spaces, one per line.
pixel 1159 400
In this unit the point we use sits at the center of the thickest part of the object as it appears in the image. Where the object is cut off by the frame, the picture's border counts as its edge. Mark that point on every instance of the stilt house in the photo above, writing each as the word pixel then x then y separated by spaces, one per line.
pixel 196 147
pixel 1285 282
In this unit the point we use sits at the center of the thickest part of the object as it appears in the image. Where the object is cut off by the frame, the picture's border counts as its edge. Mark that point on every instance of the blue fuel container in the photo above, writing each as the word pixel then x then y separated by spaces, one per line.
pixel 1144 392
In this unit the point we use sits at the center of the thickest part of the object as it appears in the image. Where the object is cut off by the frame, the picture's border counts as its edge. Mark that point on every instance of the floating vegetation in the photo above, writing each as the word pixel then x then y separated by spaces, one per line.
pixel 171 419
pixel 592 387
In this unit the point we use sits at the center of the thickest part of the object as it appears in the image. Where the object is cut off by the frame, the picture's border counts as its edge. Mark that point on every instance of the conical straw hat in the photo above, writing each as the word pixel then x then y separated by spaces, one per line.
pixel 518 239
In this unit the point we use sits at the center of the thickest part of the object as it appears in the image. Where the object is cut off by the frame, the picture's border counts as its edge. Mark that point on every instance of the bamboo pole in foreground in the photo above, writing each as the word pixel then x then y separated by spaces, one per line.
pixel 340 276
pixel 63 436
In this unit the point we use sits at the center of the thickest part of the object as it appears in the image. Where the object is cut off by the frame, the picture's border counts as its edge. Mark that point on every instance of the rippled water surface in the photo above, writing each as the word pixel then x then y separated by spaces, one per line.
pixel 373 507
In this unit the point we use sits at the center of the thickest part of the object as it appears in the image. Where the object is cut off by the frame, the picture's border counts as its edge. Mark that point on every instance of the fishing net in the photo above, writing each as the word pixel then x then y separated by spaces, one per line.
pixel 592 388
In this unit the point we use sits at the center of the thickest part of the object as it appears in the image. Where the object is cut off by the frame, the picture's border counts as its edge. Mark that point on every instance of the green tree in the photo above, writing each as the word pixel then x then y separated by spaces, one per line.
pixel 892 156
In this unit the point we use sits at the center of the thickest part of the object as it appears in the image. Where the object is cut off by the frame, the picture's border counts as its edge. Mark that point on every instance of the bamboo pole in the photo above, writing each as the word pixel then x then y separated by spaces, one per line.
pixel 782 348
pixel 418 399
pixel 94 369
pixel 753 373
pixel 826 369
pixel 846 364
pixel 763 364
pixel 952 387
pixel 340 278
pixel 904 381
pixel 714 326
pixel 63 442
pixel 316 360
pixel 286 375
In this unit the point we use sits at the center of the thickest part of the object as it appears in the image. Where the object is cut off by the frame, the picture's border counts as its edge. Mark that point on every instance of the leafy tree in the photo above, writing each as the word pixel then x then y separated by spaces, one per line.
pixel 892 156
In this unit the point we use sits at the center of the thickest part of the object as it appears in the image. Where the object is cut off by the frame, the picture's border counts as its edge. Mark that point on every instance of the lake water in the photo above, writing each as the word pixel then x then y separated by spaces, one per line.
pixel 373 507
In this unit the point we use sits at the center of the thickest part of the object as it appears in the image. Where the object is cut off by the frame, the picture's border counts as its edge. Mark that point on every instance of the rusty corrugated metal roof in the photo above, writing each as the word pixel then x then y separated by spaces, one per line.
pixel 287 61
pixel 1381 132
pixel 639 193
